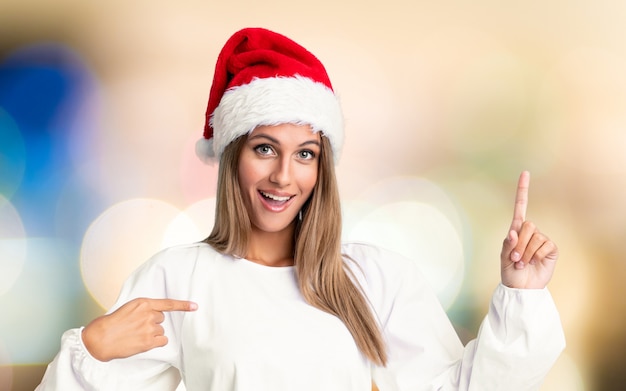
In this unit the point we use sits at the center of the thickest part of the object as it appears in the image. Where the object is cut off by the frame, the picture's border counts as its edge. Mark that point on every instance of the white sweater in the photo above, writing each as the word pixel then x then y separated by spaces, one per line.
pixel 254 332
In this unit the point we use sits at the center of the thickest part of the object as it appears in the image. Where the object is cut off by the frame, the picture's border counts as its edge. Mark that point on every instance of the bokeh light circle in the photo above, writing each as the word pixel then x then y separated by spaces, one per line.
pixel 12 155
pixel 12 245
pixel 119 240
pixel 421 233
pixel 191 225
pixel 415 218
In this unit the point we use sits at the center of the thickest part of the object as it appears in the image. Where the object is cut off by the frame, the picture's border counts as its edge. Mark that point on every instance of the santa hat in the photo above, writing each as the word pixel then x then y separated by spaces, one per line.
pixel 264 78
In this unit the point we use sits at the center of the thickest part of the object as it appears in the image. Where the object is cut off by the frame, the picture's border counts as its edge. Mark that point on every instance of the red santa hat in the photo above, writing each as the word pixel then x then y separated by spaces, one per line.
pixel 264 78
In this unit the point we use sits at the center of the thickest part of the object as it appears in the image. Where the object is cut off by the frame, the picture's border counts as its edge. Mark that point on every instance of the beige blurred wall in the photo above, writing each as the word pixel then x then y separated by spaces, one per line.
pixel 465 94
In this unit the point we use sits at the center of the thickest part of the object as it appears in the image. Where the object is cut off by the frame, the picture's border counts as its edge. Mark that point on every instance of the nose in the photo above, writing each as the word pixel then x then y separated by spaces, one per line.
pixel 281 172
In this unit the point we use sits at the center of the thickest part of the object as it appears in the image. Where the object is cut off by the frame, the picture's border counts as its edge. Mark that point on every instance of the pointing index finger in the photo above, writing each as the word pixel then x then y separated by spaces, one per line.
pixel 521 201
pixel 173 305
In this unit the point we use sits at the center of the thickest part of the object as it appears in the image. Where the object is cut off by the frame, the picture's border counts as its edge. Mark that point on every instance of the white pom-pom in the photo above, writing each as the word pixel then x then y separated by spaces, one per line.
pixel 205 150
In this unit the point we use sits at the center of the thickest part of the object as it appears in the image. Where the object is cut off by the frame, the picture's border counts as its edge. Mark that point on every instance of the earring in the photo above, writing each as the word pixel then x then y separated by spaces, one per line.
pixel 300 215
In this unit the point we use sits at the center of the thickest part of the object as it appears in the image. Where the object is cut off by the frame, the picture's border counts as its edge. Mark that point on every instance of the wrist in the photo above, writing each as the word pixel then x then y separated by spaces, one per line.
pixel 92 342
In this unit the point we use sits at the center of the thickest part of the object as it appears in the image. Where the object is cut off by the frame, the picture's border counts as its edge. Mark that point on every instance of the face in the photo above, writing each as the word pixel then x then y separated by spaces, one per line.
pixel 277 172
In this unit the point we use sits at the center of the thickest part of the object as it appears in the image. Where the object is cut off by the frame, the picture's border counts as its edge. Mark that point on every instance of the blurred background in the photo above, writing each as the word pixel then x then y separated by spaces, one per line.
pixel 446 103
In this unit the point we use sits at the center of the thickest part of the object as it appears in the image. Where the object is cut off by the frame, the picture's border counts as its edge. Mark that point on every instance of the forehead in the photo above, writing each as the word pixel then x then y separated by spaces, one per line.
pixel 285 132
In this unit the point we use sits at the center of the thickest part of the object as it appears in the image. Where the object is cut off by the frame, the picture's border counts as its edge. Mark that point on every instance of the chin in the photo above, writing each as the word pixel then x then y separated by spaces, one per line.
pixel 276 227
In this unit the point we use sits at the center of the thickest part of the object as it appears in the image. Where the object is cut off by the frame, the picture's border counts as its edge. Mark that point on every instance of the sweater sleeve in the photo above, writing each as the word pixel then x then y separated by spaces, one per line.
pixel 74 368
pixel 518 341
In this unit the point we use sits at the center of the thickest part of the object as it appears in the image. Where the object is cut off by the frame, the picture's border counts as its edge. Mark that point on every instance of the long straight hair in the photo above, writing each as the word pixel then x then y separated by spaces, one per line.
pixel 324 279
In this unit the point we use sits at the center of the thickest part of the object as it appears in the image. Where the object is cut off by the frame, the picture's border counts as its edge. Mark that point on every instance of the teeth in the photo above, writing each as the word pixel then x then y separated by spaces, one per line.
pixel 275 197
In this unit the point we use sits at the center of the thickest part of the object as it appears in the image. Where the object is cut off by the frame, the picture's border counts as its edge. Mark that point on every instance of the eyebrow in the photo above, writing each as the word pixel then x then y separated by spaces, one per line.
pixel 275 141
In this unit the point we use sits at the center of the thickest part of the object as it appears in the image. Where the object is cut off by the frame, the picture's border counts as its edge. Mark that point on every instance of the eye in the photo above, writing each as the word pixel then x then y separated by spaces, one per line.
pixel 306 154
pixel 264 150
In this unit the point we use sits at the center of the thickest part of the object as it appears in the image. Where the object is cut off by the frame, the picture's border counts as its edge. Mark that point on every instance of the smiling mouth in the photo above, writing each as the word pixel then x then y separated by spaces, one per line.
pixel 275 198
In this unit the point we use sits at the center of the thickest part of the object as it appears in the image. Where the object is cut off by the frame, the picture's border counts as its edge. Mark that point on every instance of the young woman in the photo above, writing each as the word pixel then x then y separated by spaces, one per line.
pixel 272 300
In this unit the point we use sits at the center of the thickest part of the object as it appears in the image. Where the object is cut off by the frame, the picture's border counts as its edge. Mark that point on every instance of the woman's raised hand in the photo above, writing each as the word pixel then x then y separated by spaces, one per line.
pixel 133 328
pixel 528 257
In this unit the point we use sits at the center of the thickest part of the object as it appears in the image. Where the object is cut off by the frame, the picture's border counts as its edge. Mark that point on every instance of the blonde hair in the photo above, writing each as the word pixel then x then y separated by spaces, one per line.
pixel 325 281
pixel 232 223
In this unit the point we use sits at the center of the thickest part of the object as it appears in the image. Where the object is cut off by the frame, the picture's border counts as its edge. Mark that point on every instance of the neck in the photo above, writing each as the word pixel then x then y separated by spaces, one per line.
pixel 271 248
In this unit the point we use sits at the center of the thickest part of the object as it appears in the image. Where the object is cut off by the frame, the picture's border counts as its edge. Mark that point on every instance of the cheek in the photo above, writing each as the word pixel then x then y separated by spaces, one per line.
pixel 309 178
pixel 245 184
pixel 247 176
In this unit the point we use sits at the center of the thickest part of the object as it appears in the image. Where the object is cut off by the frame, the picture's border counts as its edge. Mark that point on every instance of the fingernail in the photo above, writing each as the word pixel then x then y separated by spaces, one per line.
pixel 515 256
pixel 193 306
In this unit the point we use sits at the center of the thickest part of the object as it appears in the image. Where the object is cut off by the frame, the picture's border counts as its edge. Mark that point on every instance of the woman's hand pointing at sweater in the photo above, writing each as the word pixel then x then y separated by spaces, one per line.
pixel 133 328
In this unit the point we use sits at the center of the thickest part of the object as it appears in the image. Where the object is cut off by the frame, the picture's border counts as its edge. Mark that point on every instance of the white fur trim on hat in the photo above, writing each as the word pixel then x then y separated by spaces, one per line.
pixel 274 101
pixel 205 150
